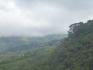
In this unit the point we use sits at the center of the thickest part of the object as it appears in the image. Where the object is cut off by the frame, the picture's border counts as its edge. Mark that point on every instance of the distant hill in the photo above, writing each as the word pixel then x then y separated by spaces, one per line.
pixel 19 44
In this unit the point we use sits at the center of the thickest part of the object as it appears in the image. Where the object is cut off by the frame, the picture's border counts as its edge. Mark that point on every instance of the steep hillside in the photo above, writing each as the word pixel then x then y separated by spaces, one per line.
pixel 76 53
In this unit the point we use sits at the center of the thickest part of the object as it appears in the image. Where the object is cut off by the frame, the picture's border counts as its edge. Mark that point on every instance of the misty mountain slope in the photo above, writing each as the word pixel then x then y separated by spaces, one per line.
pixel 20 44
pixel 27 52
pixel 74 53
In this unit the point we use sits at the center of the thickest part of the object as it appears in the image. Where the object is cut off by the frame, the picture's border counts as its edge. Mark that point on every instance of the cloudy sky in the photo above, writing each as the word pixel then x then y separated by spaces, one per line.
pixel 41 17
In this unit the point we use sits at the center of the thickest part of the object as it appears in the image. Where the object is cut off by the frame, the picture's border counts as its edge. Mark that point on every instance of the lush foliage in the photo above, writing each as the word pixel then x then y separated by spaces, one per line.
pixel 27 53
pixel 74 53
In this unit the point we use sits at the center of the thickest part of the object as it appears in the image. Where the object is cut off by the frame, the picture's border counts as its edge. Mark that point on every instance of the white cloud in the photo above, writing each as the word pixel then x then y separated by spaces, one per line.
pixel 40 17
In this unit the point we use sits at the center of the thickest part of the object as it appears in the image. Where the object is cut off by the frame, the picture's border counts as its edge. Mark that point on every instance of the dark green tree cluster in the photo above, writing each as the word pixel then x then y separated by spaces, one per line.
pixel 79 29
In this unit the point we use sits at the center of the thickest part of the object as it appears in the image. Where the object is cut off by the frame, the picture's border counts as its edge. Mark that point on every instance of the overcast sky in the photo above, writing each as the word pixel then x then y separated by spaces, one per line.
pixel 41 17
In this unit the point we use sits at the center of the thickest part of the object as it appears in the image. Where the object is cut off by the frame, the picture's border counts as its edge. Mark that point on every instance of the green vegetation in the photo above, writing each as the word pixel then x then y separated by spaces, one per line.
pixel 74 53
pixel 27 52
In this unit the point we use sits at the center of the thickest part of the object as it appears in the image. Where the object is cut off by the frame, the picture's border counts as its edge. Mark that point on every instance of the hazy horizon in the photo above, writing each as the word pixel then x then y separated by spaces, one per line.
pixel 42 17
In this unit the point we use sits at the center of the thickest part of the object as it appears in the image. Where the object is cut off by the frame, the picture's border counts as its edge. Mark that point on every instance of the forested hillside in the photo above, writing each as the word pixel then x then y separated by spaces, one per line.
pixel 27 52
pixel 74 53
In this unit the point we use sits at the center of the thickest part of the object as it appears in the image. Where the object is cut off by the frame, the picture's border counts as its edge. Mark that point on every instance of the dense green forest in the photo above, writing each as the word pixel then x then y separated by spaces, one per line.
pixel 25 52
pixel 74 52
